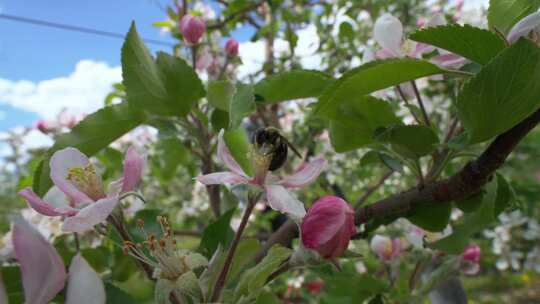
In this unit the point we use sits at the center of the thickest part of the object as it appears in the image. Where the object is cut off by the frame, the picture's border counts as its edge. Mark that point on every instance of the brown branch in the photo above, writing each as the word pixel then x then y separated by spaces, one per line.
pixel 469 180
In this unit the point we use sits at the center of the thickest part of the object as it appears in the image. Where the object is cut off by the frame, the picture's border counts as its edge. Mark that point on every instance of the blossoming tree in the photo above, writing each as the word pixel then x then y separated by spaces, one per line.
pixel 369 174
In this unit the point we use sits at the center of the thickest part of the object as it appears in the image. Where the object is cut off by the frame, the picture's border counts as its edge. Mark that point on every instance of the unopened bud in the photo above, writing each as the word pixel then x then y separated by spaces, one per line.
pixel 231 47
pixel 192 28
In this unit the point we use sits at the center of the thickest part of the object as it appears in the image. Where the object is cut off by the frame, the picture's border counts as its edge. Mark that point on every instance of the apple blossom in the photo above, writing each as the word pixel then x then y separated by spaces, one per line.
pixel 78 193
pixel 524 27
pixel 328 226
pixel 44 126
pixel 470 259
pixel 231 47
pixel 386 249
pixel 193 28
pixel 43 271
pixel 275 188
pixel 388 33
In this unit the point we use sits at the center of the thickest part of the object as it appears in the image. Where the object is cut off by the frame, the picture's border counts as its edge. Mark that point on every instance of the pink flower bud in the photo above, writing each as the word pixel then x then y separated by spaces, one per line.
pixel 328 226
pixel 231 47
pixel 386 248
pixel 471 254
pixel 44 126
pixel 193 28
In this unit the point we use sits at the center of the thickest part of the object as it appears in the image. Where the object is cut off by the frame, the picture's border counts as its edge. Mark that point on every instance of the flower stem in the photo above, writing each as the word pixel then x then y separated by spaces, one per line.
pixel 227 265
pixel 420 103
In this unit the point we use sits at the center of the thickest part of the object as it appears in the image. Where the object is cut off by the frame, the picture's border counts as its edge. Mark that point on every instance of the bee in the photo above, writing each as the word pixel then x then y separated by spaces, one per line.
pixel 269 141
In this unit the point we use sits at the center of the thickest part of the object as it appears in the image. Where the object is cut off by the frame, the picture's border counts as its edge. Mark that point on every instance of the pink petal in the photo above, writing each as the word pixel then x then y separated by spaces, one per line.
pixel 524 27
pixel 436 20
pixel 388 32
pixel 449 60
pixel 84 284
pixel 134 164
pixel 282 200
pixel 222 178
pixel 305 175
pixel 225 156
pixel 90 215
pixel 61 162
pixel 42 269
pixel 322 222
pixel 42 207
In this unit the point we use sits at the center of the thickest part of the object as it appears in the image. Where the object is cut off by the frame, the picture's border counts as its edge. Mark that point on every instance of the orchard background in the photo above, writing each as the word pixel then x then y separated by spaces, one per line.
pixel 283 151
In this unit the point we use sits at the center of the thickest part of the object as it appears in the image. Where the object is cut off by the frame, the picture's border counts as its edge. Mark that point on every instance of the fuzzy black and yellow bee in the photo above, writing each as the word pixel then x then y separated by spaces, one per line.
pixel 269 141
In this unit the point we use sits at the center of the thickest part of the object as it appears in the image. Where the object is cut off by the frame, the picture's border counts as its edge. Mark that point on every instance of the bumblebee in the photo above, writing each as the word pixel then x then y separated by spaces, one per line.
pixel 269 142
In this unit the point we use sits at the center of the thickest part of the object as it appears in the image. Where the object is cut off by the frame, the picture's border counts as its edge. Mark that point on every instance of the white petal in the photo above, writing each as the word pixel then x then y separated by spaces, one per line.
pixel 305 175
pixel 524 27
pixel 282 200
pixel 388 32
pixel 84 284
pixel 436 20
pixel 90 215
pixel 222 178
pixel 61 162
pixel 57 198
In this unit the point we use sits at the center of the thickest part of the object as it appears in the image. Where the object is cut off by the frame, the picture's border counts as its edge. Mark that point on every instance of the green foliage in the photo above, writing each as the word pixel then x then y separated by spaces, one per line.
pixel 497 198
pixel 503 93
pixel 433 218
pixel 246 251
pixel 170 153
pixel 166 86
pixel 369 78
pixel 220 93
pixel 503 14
pixel 238 144
pixel 473 43
pixel 470 204
pixel 412 141
pixel 217 233
pixel 12 281
pixel 242 104
pixel 254 279
pixel 291 85
pixel 91 135
pixel 116 295
pixel 359 118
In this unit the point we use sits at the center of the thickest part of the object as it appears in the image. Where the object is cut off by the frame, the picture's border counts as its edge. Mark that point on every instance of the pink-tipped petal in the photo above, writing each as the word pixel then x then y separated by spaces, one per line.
pixel 42 269
pixel 222 178
pixel 280 199
pixel 524 27
pixel 61 162
pixel 134 164
pixel 449 60
pixel 388 32
pixel 43 207
pixel 84 284
pixel 225 156
pixel 305 175
pixel 90 215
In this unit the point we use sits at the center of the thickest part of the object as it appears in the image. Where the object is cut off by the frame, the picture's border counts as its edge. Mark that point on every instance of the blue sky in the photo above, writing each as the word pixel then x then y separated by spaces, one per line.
pixel 34 53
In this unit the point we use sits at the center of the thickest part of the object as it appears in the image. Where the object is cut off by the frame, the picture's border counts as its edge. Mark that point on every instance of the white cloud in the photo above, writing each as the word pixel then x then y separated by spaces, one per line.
pixel 83 91
pixel 253 53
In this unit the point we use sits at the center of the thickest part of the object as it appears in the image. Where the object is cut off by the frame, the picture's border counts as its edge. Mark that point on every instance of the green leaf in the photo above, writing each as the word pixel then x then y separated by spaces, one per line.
pixel 470 204
pixel 10 278
pixel 219 120
pixel 116 295
pixel 171 153
pixel 219 232
pixel 239 145
pixel 434 218
pixel 473 43
pixel 167 86
pixel 474 222
pixel 359 118
pixel 92 134
pixel 291 85
pixel 505 195
pixel 503 93
pixel 503 14
pixel 242 104
pixel 412 141
pixel 253 279
pixel 246 251
pixel 390 162
pixel 220 93
pixel 369 78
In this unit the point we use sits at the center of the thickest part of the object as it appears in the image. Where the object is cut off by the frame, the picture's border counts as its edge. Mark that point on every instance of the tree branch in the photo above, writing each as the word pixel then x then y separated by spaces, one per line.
pixel 469 180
